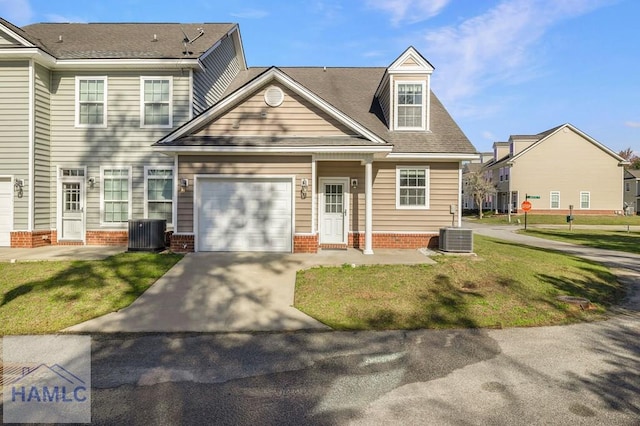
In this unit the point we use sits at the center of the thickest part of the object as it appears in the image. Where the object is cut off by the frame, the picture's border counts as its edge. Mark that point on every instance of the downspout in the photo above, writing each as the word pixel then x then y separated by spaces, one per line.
pixel 368 209
pixel 460 194
pixel 32 142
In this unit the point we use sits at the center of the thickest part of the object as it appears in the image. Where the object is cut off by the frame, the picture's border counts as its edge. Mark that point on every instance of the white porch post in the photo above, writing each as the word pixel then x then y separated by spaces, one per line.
pixel 368 209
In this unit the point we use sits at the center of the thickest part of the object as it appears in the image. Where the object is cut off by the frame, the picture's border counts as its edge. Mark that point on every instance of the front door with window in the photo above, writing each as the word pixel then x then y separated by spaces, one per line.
pixel 334 204
pixel 72 199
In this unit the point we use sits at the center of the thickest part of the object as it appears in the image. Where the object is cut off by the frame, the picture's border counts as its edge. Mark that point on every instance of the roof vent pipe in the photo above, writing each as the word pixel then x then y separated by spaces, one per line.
pixel 155 37
pixel 60 38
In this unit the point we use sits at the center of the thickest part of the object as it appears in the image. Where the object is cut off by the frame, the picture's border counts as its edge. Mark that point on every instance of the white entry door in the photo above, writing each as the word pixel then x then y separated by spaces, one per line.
pixel 6 211
pixel 334 205
pixel 72 210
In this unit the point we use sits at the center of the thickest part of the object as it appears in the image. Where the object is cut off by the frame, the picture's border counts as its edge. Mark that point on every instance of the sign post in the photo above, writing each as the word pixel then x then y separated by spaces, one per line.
pixel 526 206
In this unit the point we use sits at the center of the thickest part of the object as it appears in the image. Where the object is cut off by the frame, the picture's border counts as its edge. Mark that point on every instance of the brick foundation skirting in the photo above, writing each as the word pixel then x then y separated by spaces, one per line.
pixel 107 238
pixel 182 243
pixel 25 239
pixel 398 241
pixel 305 243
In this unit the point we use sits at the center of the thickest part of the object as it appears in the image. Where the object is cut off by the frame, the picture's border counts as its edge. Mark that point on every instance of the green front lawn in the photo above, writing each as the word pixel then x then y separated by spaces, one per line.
pixel 544 219
pixel 608 240
pixel 507 285
pixel 46 297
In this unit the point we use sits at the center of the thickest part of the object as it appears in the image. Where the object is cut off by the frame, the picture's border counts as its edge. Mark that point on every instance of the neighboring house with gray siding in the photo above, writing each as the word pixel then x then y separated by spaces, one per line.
pixel 560 167
pixel 103 123
pixel 632 191
pixel 80 107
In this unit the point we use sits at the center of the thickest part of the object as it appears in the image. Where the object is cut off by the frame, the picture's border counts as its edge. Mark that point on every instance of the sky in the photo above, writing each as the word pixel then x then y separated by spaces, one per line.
pixel 502 67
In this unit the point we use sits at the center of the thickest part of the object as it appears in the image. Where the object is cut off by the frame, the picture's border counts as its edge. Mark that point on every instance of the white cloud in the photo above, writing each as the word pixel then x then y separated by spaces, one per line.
pixel 409 11
pixel 498 46
pixel 633 124
pixel 488 135
pixel 250 14
pixel 17 12
pixel 62 18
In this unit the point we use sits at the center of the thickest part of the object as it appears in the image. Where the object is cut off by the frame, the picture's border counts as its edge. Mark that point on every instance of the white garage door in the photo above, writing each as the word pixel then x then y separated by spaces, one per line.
pixel 6 211
pixel 239 214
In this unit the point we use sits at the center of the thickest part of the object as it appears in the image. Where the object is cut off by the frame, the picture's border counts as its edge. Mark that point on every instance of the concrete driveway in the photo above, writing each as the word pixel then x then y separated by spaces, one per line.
pixel 225 292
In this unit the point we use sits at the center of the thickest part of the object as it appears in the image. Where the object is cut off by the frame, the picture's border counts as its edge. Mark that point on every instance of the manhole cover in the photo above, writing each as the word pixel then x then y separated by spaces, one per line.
pixel 580 301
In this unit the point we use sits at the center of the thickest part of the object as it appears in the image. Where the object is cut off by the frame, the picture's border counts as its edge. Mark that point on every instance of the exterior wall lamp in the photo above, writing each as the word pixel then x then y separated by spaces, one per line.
pixel 184 184
pixel 92 181
pixel 354 183
pixel 18 186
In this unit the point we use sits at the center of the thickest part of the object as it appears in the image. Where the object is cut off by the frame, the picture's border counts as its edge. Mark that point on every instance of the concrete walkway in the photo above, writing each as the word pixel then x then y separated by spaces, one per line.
pixel 626 266
pixel 230 292
pixel 59 253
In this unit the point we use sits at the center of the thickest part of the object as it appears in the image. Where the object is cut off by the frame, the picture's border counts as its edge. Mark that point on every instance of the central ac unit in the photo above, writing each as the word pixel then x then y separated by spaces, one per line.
pixel 458 240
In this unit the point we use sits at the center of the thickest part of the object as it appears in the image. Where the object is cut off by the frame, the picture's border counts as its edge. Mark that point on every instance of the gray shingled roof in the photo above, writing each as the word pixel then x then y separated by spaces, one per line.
pixel 352 91
pixel 124 41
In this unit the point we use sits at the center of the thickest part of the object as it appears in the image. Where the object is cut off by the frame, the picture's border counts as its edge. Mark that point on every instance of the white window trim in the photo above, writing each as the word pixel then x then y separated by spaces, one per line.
pixel 551 199
pixel 154 126
pixel 426 189
pixel 129 201
pixel 146 187
pixel 589 195
pixel 425 95
pixel 105 102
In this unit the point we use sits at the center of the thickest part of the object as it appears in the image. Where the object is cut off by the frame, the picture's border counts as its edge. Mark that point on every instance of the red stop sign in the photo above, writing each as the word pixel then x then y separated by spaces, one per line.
pixel 526 206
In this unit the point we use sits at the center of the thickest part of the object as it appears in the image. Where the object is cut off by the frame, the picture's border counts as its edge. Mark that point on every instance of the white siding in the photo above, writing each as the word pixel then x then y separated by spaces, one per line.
pixel 14 128
pixel 220 67
pixel 122 143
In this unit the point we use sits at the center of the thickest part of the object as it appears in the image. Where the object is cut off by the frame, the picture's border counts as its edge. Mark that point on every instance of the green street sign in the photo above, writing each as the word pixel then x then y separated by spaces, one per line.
pixel 533 197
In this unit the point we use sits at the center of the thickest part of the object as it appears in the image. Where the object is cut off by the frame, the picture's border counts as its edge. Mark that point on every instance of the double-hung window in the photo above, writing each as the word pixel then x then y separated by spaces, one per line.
pixel 156 94
pixel 116 195
pixel 91 101
pixel 555 199
pixel 410 105
pixel 412 187
pixel 159 186
pixel 585 200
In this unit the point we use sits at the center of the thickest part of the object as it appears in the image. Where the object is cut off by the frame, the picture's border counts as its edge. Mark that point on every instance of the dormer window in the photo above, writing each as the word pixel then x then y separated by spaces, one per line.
pixel 410 105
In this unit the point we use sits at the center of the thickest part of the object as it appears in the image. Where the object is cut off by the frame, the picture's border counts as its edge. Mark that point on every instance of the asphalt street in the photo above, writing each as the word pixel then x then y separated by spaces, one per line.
pixel 587 374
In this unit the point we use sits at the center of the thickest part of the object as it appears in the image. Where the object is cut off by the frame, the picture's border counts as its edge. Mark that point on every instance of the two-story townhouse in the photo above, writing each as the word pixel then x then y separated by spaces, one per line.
pixel 559 168
pixel 299 159
pixel 80 107
pixel 631 191
pixel 267 159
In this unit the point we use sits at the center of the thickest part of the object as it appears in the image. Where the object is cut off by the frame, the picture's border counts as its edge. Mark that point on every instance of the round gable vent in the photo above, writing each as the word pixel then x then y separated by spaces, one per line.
pixel 273 96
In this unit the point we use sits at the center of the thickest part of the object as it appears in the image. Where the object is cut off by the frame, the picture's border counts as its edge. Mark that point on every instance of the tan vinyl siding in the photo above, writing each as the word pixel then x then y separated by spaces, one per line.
pixel 568 163
pixel 300 166
pixel 220 67
pixel 443 191
pixel 122 143
pixel 14 131
pixel 43 187
pixel 385 101
pixel 295 117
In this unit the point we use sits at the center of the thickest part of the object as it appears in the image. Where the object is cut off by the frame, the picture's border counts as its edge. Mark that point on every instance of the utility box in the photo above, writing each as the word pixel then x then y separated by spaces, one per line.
pixel 459 240
pixel 147 234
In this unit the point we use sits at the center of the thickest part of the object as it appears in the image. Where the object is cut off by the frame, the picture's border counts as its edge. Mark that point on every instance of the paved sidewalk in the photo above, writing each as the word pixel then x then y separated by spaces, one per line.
pixel 59 253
